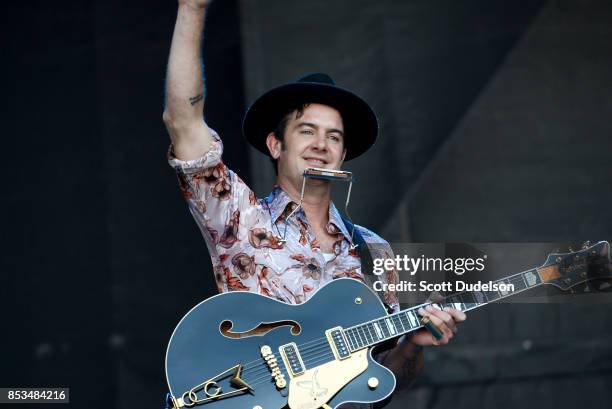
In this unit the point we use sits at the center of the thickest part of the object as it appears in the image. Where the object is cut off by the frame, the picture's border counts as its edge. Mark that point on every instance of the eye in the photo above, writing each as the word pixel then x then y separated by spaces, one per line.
pixel 334 138
pixel 306 132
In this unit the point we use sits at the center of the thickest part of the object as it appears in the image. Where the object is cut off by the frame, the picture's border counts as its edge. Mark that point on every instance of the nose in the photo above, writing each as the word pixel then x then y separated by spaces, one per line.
pixel 321 142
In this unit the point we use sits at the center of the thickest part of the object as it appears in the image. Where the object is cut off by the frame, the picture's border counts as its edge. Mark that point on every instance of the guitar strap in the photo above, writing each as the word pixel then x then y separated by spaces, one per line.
pixel 365 255
pixel 367 265
pixel 362 247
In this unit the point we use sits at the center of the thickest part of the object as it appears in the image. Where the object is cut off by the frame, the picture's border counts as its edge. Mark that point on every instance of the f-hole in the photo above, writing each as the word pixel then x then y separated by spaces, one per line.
pixel 260 330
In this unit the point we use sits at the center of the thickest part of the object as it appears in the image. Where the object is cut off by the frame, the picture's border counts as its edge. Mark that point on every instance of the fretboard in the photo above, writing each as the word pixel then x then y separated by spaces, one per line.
pixel 392 325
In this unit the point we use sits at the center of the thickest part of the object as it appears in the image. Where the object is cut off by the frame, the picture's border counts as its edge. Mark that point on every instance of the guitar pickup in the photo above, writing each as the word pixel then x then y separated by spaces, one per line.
pixel 338 343
pixel 291 356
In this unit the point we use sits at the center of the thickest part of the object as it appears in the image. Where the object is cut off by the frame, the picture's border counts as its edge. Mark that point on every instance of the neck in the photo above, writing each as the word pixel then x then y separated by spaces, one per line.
pixel 316 200
pixel 405 321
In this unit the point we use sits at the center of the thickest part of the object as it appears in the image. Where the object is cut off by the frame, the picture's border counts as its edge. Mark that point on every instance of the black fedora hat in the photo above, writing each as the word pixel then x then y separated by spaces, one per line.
pixel 360 123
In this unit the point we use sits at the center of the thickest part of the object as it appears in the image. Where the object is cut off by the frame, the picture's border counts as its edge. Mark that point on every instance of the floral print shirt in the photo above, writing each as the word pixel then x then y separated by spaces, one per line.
pixel 244 235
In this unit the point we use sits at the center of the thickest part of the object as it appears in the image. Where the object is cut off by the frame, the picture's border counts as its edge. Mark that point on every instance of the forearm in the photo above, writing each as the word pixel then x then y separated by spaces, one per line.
pixel 183 113
pixel 184 83
pixel 405 361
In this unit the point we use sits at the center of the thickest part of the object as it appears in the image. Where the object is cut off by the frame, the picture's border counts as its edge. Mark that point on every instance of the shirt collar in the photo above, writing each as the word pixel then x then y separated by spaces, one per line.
pixel 278 202
pixel 336 220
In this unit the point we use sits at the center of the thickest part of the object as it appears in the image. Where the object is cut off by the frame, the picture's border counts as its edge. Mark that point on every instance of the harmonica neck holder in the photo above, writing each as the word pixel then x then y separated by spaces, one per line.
pixel 333 175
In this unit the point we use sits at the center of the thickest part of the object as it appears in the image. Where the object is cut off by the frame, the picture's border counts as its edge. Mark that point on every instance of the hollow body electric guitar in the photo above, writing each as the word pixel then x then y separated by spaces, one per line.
pixel 247 351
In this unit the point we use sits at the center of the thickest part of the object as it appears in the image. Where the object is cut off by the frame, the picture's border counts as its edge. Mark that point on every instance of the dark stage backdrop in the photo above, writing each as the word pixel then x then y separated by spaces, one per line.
pixel 100 258
pixel 495 127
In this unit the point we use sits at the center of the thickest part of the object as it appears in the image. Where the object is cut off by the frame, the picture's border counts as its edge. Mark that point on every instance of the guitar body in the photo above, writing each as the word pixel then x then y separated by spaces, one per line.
pixel 199 350
pixel 247 351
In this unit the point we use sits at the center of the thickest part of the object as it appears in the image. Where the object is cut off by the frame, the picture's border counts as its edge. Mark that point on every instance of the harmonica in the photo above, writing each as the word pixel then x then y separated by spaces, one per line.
pixel 329 174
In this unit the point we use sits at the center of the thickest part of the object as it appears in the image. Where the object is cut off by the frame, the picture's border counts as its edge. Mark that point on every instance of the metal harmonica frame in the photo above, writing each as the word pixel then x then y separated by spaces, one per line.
pixel 334 175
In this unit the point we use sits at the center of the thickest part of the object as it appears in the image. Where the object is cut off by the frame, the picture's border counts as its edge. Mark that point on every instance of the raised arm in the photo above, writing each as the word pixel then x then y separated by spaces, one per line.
pixel 183 113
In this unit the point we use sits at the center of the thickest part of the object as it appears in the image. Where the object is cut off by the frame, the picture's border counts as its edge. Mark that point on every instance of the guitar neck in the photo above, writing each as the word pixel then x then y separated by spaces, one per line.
pixel 390 326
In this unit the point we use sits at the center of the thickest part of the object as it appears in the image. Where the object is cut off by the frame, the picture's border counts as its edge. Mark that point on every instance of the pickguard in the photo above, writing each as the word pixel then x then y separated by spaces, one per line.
pixel 318 385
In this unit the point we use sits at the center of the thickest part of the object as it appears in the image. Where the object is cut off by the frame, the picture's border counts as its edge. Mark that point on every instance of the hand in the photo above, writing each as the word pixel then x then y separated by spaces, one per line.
pixel 446 320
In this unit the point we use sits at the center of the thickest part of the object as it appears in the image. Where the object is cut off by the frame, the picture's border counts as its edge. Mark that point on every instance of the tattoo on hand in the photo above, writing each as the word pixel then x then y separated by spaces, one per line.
pixel 196 99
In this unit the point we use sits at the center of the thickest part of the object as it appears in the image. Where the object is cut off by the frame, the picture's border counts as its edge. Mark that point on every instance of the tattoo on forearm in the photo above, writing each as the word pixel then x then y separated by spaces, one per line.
pixel 196 99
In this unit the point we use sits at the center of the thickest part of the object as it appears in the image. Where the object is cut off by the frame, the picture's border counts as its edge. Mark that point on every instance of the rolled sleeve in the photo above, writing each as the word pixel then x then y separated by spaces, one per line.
pixel 208 160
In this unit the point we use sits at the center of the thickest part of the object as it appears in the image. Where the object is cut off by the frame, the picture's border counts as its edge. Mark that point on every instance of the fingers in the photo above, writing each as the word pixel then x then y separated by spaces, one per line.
pixel 423 337
pixel 439 323
pixel 444 316
pixel 458 316
pixel 445 320
pixel 436 297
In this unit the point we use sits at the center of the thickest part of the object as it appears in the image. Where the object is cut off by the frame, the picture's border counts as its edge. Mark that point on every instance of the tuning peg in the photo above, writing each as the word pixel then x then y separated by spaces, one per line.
pixel 570 249
pixel 586 244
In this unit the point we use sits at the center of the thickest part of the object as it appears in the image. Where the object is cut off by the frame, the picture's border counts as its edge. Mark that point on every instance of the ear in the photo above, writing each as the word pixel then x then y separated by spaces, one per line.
pixel 274 145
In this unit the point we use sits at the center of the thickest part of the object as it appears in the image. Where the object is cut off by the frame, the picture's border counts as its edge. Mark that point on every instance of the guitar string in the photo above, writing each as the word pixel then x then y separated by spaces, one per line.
pixel 301 346
pixel 311 360
pixel 307 362
pixel 313 353
pixel 261 369
pixel 307 352
pixel 268 378
pixel 304 350
pixel 260 363
pixel 314 349
pixel 311 357
pixel 314 359
pixel 259 380
pixel 265 370
pixel 321 358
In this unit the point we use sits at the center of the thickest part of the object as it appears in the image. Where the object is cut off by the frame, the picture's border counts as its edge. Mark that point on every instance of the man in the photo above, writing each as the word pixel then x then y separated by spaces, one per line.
pixel 271 246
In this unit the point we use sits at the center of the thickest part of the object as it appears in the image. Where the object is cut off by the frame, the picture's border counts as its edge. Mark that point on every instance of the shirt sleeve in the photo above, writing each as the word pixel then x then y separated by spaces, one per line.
pixel 218 200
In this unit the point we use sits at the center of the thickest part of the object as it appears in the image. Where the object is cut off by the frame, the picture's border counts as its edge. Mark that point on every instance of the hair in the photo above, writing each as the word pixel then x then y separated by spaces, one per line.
pixel 281 127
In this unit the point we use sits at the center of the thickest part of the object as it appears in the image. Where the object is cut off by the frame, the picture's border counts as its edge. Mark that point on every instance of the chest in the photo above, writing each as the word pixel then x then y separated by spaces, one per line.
pixel 325 240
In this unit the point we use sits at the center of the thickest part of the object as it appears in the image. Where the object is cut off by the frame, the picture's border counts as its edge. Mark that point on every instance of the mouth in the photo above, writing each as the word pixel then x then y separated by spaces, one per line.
pixel 316 162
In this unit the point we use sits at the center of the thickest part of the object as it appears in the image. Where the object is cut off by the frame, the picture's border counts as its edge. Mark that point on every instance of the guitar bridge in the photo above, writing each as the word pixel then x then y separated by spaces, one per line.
pixel 275 370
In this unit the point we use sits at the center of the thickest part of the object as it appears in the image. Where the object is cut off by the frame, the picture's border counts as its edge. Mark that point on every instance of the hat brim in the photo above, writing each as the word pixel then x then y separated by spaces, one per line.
pixel 360 123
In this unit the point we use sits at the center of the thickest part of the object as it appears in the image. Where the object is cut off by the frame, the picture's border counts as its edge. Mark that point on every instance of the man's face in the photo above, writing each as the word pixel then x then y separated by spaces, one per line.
pixel 314 140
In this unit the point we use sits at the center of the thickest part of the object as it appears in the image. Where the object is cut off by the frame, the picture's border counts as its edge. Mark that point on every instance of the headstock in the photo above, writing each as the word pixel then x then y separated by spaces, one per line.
pixel 565 270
